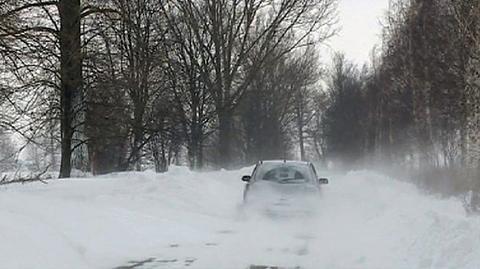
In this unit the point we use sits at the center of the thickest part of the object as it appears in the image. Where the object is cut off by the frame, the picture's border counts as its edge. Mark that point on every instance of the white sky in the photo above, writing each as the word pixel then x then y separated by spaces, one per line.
pixel 359 21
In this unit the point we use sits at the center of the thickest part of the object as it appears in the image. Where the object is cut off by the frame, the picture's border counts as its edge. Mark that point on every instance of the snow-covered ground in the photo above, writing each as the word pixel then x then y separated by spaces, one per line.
pixel 194 220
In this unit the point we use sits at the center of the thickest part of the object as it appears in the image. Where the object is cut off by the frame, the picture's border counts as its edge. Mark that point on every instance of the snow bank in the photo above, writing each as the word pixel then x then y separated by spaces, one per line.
pixel 182 219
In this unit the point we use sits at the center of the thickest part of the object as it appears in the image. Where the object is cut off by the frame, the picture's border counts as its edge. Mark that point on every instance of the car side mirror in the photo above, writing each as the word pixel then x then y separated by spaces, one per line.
pixel 246 178
pixel 323 181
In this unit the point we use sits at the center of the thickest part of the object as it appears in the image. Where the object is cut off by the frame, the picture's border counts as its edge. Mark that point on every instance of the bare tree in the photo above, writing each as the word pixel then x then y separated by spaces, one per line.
pixel 71 78
pixel 307 74
pixel 233 29
pixel 46 60
pixel 190 96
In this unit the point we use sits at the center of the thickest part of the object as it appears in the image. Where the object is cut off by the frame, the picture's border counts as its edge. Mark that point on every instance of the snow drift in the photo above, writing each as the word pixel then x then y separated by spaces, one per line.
pixel 183 219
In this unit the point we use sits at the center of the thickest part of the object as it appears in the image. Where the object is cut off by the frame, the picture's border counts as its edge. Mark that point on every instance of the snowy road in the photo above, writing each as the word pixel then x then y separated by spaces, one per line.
pixel 192 220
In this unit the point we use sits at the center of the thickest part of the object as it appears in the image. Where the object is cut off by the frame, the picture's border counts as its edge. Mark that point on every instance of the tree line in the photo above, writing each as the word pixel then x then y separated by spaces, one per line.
pixel 119 85
pixel 416 108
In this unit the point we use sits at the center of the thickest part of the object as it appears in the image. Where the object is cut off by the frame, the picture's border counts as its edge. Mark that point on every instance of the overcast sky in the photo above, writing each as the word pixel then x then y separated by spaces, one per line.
pixel 360 28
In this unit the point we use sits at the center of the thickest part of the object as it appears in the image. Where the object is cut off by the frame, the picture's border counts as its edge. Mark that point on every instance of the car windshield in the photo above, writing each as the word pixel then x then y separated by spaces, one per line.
pixel 283 173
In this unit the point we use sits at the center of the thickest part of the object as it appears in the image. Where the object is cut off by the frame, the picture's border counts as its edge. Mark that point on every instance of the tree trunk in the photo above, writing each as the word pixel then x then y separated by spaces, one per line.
pixel 138 135
pixel 192 155
pixel 200 156
pixel 225 139
pixel 194 142
pixel 302 145
pixel 71 76
pixel 52 146
pixel 300 125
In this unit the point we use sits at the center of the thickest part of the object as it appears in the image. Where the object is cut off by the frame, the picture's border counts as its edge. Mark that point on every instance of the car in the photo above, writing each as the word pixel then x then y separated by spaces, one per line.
pixel 282 186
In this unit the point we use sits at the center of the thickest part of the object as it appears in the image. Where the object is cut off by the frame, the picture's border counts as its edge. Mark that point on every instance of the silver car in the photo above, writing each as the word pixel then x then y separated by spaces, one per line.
pixel 283 187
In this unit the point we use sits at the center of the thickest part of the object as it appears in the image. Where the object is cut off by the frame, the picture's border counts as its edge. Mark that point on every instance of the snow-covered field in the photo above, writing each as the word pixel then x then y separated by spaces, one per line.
pixel 194 220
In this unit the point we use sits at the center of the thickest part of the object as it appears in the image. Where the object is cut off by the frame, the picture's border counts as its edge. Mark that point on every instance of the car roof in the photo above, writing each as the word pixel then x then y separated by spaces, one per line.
pixel 284 161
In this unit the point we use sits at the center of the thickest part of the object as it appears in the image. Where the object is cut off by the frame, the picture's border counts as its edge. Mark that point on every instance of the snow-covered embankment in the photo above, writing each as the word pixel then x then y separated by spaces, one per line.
pixel 190 219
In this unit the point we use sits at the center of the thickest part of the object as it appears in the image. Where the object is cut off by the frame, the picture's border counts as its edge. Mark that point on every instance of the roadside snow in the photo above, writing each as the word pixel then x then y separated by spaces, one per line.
pixel 184 219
